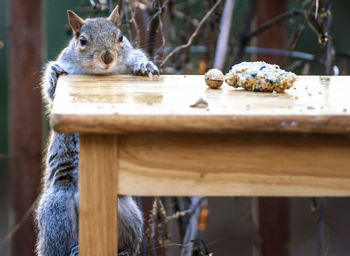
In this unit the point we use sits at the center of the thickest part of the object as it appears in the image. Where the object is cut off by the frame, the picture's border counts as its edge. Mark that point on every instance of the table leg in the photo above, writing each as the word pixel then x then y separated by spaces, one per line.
pixel 98 195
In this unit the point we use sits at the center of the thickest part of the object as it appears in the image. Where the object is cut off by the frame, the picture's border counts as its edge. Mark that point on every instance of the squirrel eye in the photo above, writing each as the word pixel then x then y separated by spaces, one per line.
pixel 83 40
pixel 120 39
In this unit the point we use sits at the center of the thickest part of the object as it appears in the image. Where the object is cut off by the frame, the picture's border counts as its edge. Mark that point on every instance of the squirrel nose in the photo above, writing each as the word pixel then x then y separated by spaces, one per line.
pixel 107 57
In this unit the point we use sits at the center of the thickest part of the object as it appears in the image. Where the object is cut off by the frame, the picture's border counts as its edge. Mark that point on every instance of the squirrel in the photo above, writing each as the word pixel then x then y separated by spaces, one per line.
pixel 97 47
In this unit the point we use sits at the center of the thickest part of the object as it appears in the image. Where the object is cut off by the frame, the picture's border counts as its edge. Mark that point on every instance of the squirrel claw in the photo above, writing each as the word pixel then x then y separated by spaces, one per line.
pixel 53 71
pixel 59 71
pixel 74 251
pixel 144 69
pixel 152 68
pixel 136 69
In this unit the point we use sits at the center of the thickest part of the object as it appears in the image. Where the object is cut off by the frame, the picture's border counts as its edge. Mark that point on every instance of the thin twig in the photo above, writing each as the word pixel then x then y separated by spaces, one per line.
pixel 320 234
pixel 125 10
pixel 19 224
pixel 161 49
pixel 243 39
pixel 328 60
pixel 281 52
pixel 137 39
pixel 152 36
pixel 155 26
pixel 296 38
pixel 274 21
pixel 245 36
pixel 154 225
pixel 312 27
pixel 189 42
pixel 157 13
pixel 296 64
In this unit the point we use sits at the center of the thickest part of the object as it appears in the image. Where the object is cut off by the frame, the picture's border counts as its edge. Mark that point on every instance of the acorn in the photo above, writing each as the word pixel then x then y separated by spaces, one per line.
pixel 214 78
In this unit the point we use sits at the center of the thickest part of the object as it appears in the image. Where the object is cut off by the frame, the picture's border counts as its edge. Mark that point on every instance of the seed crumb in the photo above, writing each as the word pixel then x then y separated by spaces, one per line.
pixel 200 103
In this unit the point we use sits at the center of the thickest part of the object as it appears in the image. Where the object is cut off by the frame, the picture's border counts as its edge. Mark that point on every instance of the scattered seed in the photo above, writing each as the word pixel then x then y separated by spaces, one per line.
pixel 200 103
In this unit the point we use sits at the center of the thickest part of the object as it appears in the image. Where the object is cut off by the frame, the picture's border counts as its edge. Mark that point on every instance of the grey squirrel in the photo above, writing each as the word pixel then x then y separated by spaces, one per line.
pixel 97 47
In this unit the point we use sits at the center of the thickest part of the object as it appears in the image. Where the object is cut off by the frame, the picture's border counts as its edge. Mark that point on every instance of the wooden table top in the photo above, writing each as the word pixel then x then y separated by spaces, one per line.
pixel 127 104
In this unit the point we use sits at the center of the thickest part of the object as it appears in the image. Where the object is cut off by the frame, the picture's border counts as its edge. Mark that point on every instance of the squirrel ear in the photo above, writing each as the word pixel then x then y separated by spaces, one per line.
pixel 75 21
pixel 114 17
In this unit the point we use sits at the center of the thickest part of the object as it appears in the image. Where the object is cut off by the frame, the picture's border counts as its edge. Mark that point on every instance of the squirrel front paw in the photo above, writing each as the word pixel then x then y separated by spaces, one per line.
pixel 144 68
pixel 74 251
pixel 53 72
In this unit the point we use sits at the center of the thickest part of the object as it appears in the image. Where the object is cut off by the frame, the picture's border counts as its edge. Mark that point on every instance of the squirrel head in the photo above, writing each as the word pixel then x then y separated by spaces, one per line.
pixel 98 42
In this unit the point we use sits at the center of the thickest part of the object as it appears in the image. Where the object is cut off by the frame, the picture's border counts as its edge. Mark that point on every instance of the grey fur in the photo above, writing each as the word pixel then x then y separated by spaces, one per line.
pixel 57 212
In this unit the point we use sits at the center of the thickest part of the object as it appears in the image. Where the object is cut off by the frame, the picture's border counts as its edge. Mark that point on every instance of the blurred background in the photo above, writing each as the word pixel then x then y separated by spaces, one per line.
pixel 309 37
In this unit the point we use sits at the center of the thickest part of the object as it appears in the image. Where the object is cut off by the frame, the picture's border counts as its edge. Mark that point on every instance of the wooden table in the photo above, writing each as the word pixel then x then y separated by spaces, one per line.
pixel 141 137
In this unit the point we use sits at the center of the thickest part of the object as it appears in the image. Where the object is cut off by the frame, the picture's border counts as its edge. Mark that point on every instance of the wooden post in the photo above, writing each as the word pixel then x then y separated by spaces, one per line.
pixel 273 213
pixel 98 195
pixel 273 223
pixel 25 117
pixel 276 36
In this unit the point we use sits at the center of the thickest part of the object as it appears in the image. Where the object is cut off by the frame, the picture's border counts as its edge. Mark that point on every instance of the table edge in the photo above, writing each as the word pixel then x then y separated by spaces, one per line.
pixel 115 123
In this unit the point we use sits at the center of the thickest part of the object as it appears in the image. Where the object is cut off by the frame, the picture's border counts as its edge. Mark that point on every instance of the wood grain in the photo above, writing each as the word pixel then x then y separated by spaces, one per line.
pixel 98 195
pixel 234 165
pixel 123 104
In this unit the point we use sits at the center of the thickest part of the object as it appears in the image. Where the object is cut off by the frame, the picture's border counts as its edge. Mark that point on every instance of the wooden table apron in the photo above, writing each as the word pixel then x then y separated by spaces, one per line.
pixel 278 160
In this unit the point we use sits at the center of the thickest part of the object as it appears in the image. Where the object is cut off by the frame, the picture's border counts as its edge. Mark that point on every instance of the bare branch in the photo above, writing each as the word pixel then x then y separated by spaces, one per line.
pixel 161 49
pixel 274 21
pixel 189 42
pixel 157 13
pixel 133 20
pixel 294 42
pixel 125 11
pixel 243 40
pixel 280 52
pixel 329 55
